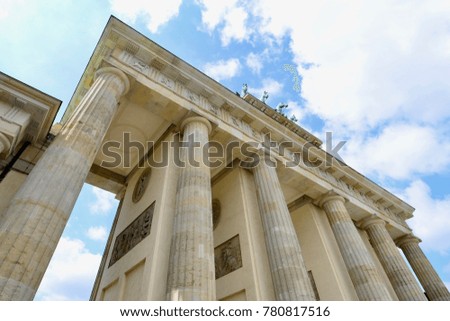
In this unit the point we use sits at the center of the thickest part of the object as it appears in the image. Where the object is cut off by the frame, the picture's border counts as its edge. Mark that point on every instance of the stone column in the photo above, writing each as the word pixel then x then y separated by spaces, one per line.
pixel 289 274
pixel 38 213
pixel 435 289
pixel 401 277
pixel 191 264
pixel 362 270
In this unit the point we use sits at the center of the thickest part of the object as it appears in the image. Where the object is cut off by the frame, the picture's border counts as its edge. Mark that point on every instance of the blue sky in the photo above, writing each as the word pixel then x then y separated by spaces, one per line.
pixel 375 73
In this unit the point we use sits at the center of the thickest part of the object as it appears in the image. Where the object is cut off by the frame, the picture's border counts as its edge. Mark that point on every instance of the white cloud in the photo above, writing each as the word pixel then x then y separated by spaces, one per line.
pixel 97 233
pixel 71 272
pixel 104 201
pixel 295 109
pixel 214 11
pixel 9 6
pixel 230 16
pixel 400 151
pixel 270 85
pixel 235 26
pixel 366 63
pixel 373 62
pixel 154 13
pixel 431 221
pixel 223 69
pixel 254 62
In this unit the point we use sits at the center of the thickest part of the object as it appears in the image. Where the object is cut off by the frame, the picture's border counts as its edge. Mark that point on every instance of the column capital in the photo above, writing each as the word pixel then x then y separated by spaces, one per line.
pixel 371 220
pixel 117 72
pixel 330 196
pixel 406 239
pixel 199 119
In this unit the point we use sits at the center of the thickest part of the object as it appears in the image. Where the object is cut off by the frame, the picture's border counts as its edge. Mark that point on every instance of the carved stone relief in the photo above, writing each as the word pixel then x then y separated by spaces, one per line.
pixel 132 234
pixel 141 185
pixel 213 109
pixel 227 257
pixel 167 81
pixel 140 66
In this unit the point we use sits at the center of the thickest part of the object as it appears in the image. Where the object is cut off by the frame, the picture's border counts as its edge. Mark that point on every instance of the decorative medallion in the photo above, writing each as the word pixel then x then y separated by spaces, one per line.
pixel 227 257
pixel 215 212
pixel 141 185
pixel 132 234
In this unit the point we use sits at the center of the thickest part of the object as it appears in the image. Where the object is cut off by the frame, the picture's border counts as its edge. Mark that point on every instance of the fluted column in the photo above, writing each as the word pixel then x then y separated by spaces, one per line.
pixel 362 270
pixel 401 277
pixel 38 213
pixel 427 275
pixel 191 265
pixel 289 274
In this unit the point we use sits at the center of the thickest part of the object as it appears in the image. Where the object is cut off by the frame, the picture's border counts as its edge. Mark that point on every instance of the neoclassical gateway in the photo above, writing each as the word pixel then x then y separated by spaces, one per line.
pixel 221 196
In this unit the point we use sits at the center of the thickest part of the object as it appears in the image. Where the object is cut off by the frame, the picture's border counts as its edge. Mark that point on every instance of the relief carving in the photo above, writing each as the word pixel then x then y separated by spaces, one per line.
pixel 167 81
pixel 132 234
pixel 227 257
pixel 191 96
pixel 141 185
pixel 213 109
pixel 140 66
pixel 254 133
pixel 235 121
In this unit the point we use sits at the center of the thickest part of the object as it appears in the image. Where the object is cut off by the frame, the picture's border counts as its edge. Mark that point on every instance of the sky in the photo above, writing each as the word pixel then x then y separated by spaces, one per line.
pixel 374 73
